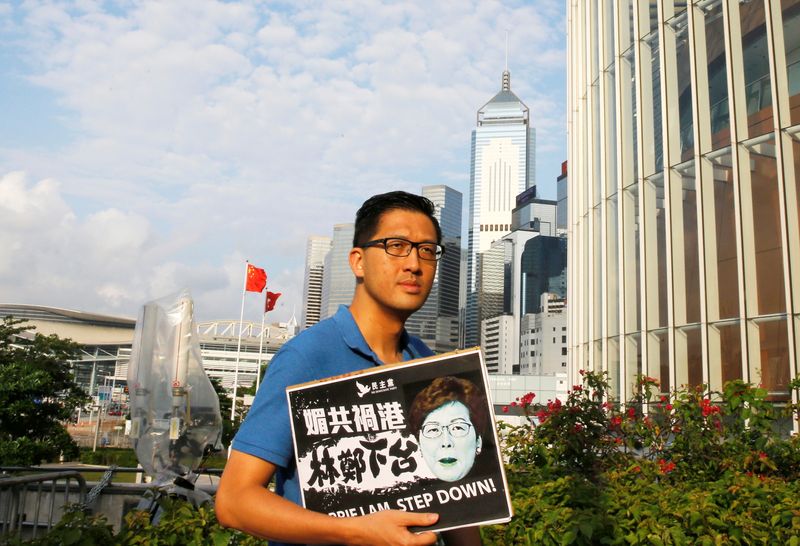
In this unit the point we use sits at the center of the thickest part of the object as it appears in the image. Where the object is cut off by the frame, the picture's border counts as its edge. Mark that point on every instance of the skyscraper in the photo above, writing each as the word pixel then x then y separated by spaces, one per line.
pixel 502 166
pixel 436 322
pixel 338 281
pixel 684 194
pixel 317 249
pixel 544 270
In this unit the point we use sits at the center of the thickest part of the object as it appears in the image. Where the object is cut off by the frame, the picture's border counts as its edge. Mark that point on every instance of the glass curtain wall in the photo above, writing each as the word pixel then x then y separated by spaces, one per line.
pixel 684 161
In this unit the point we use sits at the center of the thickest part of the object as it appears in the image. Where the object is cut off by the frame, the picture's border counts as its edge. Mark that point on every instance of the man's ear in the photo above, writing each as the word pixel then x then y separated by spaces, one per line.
pixel 356 258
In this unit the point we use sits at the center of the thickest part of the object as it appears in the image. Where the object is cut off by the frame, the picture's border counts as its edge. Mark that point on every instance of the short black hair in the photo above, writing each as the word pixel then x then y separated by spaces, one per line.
pixel 370 213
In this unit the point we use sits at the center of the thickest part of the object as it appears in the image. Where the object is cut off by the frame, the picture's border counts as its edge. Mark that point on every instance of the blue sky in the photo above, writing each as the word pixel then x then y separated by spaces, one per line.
pixel 150 146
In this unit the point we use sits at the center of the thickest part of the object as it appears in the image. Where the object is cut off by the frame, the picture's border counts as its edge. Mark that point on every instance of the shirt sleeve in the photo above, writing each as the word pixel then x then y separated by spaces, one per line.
pixel 266 432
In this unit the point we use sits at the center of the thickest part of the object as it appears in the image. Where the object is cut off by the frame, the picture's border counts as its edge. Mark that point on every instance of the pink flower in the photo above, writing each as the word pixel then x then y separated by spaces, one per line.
pixel 505 409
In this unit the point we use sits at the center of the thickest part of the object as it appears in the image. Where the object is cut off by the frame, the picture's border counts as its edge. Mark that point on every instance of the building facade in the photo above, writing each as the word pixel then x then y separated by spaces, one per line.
pixel 498 343
pixel 684 151
pixel 562 191
pixel 534 214
pixel 437 322
pixel 543 338
pixel 317 249
pixel 338 281
pixel 105 341
pixel 543 269
pixel 502 166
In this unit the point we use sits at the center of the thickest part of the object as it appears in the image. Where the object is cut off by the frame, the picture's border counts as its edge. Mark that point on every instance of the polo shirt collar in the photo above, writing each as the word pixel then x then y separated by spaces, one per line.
pixel 354 339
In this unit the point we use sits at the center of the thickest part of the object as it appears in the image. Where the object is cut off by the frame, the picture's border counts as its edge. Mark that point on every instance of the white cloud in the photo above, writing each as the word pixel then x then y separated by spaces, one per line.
pixel 204 132
pixel 107 261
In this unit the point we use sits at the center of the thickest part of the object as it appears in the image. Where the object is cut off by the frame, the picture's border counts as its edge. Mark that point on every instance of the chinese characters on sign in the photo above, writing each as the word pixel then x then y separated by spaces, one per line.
pixel 357 418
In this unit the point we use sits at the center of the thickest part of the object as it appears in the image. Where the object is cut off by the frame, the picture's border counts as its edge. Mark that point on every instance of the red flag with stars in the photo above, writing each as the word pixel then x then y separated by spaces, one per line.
pixel 272 297
pixel 256 279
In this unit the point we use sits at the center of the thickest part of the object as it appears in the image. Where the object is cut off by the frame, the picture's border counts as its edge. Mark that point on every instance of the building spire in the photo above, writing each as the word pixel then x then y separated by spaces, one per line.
pixel 506 74
pixel 506 50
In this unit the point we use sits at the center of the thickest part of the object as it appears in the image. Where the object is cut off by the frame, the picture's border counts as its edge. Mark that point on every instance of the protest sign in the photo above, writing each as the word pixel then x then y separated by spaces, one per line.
pixel 416 436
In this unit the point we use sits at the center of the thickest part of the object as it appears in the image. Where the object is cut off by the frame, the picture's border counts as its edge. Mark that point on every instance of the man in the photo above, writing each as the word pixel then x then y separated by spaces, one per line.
pixel 395 250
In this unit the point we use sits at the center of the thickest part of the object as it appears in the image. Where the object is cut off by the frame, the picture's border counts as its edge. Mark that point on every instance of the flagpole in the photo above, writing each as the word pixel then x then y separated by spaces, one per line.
pixel 239 343
pixel 260 345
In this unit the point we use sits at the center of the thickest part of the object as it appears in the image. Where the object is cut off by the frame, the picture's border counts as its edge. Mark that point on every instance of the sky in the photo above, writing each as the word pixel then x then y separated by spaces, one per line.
pixel 152 146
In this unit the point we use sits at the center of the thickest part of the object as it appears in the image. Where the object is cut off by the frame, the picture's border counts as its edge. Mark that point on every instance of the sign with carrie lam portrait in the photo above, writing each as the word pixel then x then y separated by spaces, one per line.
pixel 416 436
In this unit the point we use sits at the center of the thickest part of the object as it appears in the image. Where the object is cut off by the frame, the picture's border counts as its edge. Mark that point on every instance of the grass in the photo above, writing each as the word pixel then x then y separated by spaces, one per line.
pixel 118 477
pixel 126 457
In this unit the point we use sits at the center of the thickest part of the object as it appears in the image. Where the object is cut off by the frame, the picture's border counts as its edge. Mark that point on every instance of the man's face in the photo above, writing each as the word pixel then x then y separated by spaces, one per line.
pixel 448 441
pixel 392 282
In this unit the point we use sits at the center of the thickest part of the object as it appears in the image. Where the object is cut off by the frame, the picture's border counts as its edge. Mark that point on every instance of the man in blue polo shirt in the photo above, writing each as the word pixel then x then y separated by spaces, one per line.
pixel 396 247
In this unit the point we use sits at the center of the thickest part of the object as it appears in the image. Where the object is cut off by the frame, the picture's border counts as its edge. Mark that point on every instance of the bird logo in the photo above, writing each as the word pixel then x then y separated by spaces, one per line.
pixel 362 389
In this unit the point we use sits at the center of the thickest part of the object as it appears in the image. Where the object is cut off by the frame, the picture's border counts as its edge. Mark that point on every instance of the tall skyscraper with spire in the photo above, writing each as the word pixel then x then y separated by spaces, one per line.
pixel 503 166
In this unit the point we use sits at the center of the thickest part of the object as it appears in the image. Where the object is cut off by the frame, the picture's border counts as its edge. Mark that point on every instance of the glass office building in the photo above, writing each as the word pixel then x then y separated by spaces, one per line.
pixel 317 249
pixel 338 281
pixel 684 149
pixel 436 322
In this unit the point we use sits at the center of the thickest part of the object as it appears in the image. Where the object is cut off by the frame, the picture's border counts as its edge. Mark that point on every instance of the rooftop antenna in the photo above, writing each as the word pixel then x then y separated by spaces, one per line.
pixel 506 50
pixel 506 73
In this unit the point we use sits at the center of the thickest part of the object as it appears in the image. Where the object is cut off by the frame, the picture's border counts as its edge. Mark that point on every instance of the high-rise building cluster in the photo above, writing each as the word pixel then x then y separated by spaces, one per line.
pixel 684 212
pixel 507 290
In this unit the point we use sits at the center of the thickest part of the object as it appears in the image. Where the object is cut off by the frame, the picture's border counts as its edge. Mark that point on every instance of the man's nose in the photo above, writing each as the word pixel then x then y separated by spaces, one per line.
pixel 412 262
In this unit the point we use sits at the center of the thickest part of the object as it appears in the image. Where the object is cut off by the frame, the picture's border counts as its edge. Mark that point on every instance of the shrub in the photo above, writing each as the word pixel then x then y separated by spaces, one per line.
pixel 687 467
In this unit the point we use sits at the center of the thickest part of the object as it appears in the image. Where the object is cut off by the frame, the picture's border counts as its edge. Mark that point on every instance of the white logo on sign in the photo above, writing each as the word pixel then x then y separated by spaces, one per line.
pixel 362 389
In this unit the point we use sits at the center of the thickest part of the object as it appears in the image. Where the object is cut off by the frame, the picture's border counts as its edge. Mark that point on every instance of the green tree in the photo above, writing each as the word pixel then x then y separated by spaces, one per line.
pixel 229 428
pixel 37 393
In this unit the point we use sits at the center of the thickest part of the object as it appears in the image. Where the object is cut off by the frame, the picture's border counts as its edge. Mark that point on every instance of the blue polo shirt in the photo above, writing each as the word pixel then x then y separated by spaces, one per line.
pixel 334 346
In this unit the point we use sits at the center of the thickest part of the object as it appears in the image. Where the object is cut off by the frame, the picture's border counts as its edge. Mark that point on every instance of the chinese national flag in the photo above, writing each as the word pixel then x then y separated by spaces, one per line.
pixel 272 297
pixel 256 279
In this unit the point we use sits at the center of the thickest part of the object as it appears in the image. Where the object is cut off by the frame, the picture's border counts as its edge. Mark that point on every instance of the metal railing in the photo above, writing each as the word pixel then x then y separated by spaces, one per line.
pixel 15 493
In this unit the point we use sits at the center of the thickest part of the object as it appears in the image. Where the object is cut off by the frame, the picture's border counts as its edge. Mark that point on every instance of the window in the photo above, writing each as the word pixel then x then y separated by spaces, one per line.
pixel 564 351
pixel 563 339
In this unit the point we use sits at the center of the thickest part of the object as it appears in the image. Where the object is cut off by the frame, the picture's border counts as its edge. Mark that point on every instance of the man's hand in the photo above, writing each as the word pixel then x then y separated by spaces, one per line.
pixel 390 528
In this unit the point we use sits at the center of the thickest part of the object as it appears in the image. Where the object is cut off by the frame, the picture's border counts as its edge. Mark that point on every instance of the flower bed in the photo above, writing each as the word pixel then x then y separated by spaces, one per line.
pixel 686 467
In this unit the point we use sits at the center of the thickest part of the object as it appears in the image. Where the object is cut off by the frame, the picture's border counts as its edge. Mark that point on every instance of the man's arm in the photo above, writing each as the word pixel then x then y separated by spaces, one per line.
pixel 244 502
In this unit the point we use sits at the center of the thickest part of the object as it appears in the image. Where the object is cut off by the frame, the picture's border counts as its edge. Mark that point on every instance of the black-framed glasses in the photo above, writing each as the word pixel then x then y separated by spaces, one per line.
pixel 457 429
pixel 395 246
